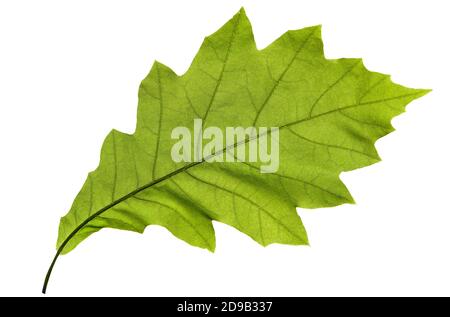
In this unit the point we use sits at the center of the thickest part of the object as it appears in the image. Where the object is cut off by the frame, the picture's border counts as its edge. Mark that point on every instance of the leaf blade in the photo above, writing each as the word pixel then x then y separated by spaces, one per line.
pixel 330 113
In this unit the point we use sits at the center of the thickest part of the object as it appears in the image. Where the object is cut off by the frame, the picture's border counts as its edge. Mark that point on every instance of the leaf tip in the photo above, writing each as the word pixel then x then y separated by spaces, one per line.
pixel 242 11
pixel 423 92
pixel 211 248
pixel 162 69
pixel 317 27
pixel 351 200
pixel 418 93
pixel 316 30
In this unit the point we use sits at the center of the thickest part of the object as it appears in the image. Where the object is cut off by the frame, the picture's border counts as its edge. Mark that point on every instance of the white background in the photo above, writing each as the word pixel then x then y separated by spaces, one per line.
pixel 69 72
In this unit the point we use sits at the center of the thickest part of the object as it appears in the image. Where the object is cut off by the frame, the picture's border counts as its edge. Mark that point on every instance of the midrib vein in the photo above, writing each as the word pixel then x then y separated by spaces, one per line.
pixel 193 164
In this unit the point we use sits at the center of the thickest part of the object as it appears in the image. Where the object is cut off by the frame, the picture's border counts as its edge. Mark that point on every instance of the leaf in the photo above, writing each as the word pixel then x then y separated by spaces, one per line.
pixel 329 114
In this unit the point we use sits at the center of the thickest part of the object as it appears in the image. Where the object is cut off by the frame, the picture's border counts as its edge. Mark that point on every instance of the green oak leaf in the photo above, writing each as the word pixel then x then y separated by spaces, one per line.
pixel 329 114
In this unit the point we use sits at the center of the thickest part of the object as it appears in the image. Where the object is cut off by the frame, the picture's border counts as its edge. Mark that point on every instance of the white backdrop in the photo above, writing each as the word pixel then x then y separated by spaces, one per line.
pixel 69 73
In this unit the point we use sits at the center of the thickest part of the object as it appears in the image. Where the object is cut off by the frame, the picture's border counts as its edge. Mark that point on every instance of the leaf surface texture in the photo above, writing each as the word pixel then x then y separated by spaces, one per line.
pixel 329 114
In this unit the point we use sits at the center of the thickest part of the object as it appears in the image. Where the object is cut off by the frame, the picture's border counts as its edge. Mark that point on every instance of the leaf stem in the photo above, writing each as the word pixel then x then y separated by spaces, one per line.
pixel 114 203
